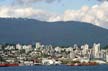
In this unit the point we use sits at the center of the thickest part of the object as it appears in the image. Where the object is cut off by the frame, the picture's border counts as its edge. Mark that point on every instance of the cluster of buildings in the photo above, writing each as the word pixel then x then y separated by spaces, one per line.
pixel 48 54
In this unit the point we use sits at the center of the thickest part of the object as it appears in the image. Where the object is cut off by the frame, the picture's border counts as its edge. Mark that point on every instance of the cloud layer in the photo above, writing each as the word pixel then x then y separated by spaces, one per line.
pixel 97 15
pixel 28 12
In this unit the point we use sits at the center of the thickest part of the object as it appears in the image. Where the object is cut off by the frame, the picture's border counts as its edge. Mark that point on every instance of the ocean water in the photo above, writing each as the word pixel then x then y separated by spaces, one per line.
pixel 56 68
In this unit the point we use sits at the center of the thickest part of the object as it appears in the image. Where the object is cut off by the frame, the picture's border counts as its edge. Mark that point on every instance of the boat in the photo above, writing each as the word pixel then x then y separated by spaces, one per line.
pixel 84 64
pixel 8 65
pixel 89 64
pixel 2 65
pixel 76 64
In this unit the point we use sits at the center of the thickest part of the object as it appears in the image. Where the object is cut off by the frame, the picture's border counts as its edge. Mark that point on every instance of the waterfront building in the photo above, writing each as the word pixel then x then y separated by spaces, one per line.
pixel 90 54
pixel 18 46
pixel 37 45
pixel 27 48
pixel 84 59
pixel 28 63
pixel 96 50
pixel 9 47
pixel 106 57
pixel 46 61
pixel 58 49
pixel 69 49
pixel 85 49
pixel 103 54
pixel 72 55
pixel 76 46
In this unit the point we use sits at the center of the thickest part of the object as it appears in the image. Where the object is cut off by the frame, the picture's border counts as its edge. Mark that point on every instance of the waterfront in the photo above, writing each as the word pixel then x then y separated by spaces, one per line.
pixel 56 68
pixel 40 54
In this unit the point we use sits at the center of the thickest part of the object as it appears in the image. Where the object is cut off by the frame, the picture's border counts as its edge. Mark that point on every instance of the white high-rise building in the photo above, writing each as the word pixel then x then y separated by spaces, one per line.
pixel 38 45
pixel 85 49
pixel 107 58
pixel 58 49
pixel 75 46
pixel 18 46
pixel 77 50
pixel 27 48
pixel 72 55
pixel 96 50
pixel 106 55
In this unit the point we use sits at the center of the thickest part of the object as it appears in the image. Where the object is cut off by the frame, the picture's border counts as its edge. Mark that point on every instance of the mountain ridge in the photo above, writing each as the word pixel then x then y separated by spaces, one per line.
pixel 20 30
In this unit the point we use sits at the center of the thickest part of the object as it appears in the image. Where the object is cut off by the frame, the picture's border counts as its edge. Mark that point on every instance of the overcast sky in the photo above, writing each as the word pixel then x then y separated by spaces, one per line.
pixel 92 11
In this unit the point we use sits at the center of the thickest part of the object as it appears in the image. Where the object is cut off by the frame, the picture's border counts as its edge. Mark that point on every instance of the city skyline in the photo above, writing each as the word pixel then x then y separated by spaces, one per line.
pixel 40 54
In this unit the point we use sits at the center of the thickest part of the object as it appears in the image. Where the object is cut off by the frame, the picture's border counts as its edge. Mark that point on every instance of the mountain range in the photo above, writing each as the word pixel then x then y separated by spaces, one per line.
pixel 29 31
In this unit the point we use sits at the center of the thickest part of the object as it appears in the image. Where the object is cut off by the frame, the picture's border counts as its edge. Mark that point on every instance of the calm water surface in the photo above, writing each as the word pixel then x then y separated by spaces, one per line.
pixel 56 68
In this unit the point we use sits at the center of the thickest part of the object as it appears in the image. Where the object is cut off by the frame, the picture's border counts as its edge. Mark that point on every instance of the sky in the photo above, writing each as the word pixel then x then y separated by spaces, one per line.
pixel 92 11
pixel 57 6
